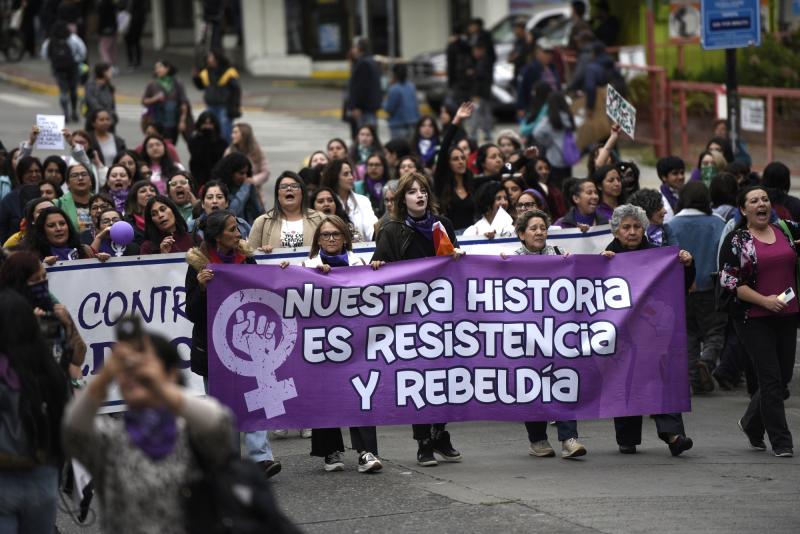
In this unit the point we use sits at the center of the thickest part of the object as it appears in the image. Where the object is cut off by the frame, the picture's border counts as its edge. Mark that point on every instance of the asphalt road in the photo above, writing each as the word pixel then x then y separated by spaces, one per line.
pixel 718 486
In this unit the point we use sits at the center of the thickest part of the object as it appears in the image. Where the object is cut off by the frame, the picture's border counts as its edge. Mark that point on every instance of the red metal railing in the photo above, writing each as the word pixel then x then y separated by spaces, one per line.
pixel 769 93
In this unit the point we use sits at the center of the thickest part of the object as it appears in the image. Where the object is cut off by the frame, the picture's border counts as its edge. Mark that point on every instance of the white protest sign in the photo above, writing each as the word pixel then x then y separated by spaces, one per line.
pixel 153 288
pixel 50 136
pixel 620 111
pixel 753 114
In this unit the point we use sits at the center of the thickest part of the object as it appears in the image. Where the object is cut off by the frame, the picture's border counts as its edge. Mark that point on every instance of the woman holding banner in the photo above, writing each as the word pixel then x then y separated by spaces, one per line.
pixel 531 229
pixel 628 224
pixel 222 243
pixel 333 247
pixel 408 235
pixel 757 264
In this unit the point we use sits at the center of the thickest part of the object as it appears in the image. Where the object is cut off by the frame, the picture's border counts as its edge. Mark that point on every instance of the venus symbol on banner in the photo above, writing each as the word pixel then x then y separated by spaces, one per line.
pixel 255 336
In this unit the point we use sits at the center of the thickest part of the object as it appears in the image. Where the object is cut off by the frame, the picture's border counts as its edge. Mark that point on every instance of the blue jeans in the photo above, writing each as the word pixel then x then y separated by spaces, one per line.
pixel 537 430
pixel 256 443
pixel 257 446
pixel 225 125
pixel 368 117
pixel 28 500
pixel 401 132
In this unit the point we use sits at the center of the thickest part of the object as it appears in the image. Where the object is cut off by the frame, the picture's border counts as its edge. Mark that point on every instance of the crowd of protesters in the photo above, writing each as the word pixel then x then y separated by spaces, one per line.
pixel 735 232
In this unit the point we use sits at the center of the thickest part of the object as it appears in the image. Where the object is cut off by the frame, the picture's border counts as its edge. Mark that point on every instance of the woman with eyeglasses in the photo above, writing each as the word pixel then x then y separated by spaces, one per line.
pixel 180 189
pixel 333 247
pixel 289 224
pixel 97 204
pixel 102 243
pixel 164 228
pixel 75 202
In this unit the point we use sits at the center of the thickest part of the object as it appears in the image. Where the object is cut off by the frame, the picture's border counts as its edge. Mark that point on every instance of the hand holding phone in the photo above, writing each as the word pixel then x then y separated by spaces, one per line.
pixel 787 296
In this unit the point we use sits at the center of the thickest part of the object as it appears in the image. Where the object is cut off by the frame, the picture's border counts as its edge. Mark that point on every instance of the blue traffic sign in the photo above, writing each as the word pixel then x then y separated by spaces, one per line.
pixel 730 24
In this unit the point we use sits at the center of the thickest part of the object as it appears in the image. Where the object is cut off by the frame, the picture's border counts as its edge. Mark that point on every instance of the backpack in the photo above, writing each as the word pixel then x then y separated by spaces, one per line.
pixel 232 498
pixel 60 55
pixel 569 151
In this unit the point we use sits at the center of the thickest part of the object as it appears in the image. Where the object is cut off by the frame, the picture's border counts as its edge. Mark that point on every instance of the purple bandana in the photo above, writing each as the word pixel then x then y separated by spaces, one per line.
pixel 153 431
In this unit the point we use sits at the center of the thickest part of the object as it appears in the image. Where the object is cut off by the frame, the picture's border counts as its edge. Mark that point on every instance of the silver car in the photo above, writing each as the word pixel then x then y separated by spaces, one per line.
pixel 428 71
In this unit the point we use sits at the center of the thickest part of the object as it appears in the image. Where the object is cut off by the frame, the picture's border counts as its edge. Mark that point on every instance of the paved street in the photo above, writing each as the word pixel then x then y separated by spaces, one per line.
pixel 718 486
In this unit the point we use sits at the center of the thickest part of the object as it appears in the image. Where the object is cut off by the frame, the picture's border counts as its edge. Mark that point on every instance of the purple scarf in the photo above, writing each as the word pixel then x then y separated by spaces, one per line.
pixel 120 198
pixel 154 431
pixel 424 225
pixel 64 253
pixel 336 260
pixel 580 218
pixel 669 195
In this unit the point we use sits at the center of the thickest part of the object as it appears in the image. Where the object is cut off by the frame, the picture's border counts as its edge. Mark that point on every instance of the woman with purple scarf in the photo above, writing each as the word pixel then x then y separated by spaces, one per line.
pixel 140 463
pixel 408 235
pixel 54 238
pixel 333 247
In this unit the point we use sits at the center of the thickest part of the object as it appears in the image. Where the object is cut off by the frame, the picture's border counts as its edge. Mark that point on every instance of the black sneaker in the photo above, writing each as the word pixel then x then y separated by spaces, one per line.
pixel 706 383
pixel 425 453
pixel 271 468
pixel 682 443
pixel 755 443
pixel 783 452
pixel 333 462
pixel 627 449
pixel 444 448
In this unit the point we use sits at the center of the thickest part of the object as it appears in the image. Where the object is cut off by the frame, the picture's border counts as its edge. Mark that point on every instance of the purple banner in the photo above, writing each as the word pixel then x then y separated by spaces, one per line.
pixel 479 338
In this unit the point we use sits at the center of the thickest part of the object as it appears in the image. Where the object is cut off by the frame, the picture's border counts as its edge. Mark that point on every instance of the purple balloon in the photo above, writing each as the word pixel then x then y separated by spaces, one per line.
pixel 121 233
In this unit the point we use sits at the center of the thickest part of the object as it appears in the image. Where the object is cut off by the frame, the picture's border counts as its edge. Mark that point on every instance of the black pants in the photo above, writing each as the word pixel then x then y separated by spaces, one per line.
pixel 424 431
pixel 325 441
pixel 705 328
pixel 770 342
pixel 133 42
pixel 629 429
pixel 734 360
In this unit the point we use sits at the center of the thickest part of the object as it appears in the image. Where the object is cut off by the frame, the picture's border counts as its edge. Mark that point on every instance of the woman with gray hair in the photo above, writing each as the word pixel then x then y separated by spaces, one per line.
pixel 531 229
pixel 627 224
pixel 389 191
pixel 652 203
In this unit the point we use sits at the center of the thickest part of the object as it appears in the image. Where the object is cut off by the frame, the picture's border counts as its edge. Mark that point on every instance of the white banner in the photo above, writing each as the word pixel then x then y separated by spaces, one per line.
pixel 152 287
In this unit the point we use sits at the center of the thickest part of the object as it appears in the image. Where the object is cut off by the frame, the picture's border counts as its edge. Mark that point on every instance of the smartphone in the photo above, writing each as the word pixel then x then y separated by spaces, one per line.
pixel 787 296
pixel 129 329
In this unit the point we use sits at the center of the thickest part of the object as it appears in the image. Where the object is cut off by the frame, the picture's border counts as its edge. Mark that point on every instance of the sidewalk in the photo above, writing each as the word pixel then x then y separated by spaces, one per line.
pixel 321 97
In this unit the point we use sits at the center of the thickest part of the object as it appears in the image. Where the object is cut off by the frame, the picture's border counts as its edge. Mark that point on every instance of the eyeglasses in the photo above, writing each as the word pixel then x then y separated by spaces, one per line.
pixel 174 183
pixel 284 187
pixel 79 175
pixel 110 221
pixel 378 164
pixel 526 206
pixel 100 207
pixel 330 236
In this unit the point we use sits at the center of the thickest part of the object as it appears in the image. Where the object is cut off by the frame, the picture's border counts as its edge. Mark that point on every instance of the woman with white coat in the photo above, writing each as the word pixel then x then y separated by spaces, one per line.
pixel 338 175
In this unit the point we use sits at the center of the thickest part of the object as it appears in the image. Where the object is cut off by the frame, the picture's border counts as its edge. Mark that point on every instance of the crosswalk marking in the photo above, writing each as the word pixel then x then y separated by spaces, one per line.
pixel 24 101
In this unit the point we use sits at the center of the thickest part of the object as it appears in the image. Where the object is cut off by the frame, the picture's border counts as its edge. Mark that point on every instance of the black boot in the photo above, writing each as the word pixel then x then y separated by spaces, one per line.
pixel 425 453
pixel 443 447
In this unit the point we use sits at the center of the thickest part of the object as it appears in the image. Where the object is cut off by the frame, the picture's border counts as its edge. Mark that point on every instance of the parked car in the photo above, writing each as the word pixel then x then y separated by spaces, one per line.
pixel 552 20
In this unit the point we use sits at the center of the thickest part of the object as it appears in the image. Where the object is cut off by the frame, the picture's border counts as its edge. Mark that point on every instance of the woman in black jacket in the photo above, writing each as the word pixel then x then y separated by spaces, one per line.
pixel 408 235
pixel 222 243
pixel 628 223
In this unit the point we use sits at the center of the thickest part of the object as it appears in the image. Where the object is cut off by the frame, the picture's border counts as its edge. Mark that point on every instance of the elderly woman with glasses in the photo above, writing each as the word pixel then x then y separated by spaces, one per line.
pixel 628 224
pixel 531 228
